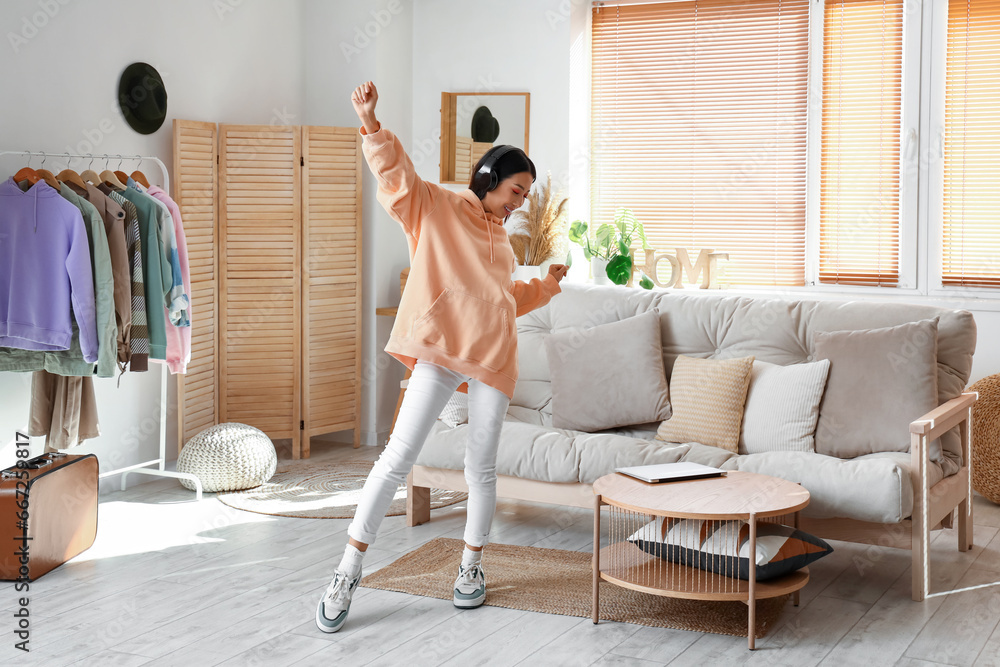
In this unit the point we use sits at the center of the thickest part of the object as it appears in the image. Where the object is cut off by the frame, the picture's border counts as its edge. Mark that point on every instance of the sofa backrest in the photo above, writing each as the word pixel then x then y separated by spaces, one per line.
pixel 717 326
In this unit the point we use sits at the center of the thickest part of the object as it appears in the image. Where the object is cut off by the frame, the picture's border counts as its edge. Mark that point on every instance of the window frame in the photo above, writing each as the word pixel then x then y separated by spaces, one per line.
pixel 937 57
pixel 908 158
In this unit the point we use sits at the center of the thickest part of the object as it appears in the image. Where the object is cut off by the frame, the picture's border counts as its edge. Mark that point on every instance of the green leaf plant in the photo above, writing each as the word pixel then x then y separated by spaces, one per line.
pixel 612 242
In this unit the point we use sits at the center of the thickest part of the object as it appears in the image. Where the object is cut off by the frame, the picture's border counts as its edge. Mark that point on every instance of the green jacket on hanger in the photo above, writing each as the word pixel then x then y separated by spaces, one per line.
pixel 155 268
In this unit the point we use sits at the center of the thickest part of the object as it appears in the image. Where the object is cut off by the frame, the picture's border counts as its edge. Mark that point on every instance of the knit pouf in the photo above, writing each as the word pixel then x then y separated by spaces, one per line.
pixel 228 457
pixel 986 438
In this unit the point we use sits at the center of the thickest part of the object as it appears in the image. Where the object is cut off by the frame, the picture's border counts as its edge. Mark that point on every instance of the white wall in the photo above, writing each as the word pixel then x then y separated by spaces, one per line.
pixel 230 60
pixel 514 46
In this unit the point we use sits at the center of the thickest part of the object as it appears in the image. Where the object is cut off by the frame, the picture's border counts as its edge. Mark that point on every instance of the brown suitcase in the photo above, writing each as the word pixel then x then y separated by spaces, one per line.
pixel 48 513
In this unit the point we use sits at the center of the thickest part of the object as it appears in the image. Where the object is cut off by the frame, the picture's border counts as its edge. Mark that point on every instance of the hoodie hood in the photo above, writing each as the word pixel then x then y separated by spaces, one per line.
pixel 33 191
pixel 488 218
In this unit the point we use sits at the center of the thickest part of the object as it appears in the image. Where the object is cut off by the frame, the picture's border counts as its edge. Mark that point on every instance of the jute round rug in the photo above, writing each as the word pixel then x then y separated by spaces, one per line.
pixel 321 490
pixel 554 581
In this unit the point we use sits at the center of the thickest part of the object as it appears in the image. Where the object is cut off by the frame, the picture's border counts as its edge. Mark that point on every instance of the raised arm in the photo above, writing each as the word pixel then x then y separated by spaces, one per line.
pixel 403 194
pixel 535 294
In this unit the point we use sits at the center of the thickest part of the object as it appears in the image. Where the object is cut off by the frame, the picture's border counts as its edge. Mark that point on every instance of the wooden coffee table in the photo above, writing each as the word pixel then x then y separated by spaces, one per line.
pixel 741 496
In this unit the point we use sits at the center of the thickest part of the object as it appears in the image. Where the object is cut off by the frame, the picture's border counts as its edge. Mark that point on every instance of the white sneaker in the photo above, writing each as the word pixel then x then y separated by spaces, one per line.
pixel 331 612
pixel 470 587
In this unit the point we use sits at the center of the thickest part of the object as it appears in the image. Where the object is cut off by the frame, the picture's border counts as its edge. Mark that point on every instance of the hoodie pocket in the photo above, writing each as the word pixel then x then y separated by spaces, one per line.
pixel 466 327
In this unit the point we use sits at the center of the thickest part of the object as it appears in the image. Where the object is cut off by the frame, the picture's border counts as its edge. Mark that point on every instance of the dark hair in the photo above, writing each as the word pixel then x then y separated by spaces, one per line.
pixel 513 161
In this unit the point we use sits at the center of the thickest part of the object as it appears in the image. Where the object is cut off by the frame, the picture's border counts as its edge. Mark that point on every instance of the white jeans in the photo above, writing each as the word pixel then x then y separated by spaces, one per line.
pixel 428 390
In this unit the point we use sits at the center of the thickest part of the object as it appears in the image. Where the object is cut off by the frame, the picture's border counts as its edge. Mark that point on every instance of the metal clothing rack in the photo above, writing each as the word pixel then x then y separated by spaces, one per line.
pixel 142 468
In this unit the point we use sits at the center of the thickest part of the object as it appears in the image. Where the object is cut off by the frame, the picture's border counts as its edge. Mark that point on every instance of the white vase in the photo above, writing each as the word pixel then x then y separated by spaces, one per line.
pixel 526 273
pixel 599 267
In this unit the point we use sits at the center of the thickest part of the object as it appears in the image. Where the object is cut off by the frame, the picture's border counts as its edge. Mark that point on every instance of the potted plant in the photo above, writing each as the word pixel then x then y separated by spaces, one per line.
pixel 537 232
pixel 610 251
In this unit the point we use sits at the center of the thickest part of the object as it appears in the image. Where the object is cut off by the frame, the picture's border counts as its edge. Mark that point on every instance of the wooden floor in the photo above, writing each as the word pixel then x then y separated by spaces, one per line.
pixel 174 582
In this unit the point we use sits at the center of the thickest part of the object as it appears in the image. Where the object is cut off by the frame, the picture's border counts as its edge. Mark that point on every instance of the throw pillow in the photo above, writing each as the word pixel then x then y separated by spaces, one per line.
pixel 880 380
pixel 456 410
pixel 782 407
pixel 609 375
pixel 707 397
pixel 723 547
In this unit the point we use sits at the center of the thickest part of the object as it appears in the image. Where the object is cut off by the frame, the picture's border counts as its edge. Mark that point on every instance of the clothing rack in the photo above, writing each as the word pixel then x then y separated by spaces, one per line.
pixel 142 468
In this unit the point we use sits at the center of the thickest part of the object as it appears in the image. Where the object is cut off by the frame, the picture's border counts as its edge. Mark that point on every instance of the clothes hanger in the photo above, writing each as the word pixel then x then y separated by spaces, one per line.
pixel 48 176
pixel 90 175
pixel 121 175
pixel 111 178
pixel 138 176
pixel 27 173
pixel 67 175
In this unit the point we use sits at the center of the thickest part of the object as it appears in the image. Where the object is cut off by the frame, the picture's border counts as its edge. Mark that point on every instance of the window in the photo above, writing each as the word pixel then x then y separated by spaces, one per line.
pixel 970 241
pixel 860 187
pixel 723 127
pixel 698 117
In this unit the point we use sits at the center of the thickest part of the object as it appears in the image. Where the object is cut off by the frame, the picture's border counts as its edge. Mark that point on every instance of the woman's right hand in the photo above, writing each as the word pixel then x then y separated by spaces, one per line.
pixel 364 99
pixel 558 271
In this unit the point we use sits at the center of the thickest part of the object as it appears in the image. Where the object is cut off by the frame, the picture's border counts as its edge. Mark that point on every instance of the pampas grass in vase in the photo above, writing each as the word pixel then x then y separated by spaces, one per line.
pixel 539 233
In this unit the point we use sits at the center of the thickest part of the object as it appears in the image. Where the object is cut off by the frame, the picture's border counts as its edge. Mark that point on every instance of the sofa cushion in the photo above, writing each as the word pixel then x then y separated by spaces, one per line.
pixel 531 451
pixel 608 375
pixel 873 488
pixel 782 407
pixel 708 399
pixel 724 546
pixel 880 380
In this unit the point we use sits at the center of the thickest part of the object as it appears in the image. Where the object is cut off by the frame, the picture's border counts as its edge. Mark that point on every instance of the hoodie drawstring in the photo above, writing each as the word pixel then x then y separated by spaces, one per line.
pixel 490 223
pixel 36 208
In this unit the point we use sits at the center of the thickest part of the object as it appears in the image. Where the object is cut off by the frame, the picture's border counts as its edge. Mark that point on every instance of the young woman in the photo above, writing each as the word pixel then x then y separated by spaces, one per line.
pixel 454 329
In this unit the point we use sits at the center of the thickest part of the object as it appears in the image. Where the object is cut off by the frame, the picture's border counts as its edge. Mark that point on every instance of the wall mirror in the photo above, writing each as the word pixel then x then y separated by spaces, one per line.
pixel 472 123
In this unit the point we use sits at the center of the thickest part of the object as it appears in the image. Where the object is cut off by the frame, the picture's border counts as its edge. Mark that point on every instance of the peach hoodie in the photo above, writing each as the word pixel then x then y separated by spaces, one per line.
pixel 459 305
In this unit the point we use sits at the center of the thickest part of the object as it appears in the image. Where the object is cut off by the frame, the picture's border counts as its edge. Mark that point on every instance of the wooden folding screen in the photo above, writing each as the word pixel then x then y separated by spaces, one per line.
pixel 331 287
pixel 260 278
pixel 195 190
pixel 286 293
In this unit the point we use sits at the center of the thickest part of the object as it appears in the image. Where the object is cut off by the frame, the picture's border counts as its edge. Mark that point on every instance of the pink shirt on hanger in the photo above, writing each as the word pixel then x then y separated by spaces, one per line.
pixel 178 338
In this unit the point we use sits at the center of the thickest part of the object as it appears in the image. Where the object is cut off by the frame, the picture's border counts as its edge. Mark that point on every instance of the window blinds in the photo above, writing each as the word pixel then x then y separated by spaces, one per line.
pixel 859 191
pixel 699 126
pixel 971 217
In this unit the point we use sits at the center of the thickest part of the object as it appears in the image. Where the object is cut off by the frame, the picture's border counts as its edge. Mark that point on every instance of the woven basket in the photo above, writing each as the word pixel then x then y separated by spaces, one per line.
pixel 228 457
pixel 986 438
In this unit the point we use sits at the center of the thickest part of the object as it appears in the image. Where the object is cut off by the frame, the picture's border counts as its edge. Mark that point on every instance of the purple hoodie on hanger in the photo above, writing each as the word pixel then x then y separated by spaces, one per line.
pixel 44 269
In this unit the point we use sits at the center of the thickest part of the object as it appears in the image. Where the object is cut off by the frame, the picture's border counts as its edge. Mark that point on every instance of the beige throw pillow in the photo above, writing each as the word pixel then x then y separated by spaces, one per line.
pixel 880 380
pixel 707 397
pixel 609 375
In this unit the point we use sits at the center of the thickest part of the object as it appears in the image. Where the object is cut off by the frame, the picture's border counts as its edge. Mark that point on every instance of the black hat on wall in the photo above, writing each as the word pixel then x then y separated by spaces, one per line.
pixel 142 98
pixel 484 126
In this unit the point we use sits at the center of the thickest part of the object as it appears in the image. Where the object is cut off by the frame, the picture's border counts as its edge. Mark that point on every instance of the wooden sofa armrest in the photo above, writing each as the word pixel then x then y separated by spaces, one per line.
pixel 944 417
pixel 930 507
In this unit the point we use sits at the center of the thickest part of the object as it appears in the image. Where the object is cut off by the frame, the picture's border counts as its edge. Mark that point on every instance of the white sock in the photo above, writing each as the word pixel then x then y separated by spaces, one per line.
pixel 351 563
pixel 470 557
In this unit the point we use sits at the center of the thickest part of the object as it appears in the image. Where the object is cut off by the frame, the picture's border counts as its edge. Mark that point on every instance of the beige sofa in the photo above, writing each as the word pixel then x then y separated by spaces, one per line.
pixel 890 498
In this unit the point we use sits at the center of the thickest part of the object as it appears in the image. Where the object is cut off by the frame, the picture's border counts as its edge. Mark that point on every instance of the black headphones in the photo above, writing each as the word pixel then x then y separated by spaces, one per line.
pixel 479 181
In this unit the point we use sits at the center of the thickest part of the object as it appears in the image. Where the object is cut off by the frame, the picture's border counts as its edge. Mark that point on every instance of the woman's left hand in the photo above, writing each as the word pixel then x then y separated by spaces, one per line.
pixel 558 271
